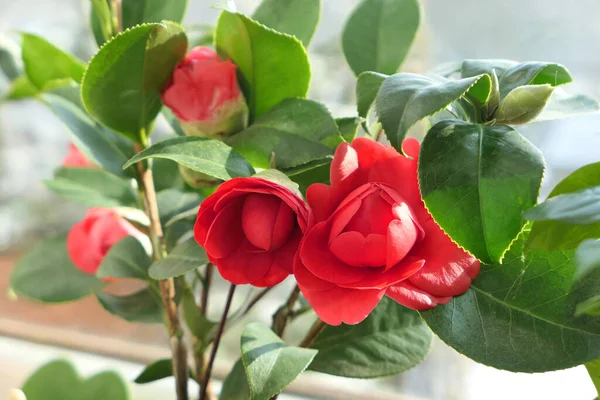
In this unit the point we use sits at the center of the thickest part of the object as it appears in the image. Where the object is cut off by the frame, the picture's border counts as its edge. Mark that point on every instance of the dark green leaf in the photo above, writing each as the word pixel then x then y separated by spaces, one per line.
pixel 126 259
pixel 166 175
pixel 122 84
pixel 590 306
pixel 296 131
pixel 473 67
pixel 519 316
pixel 45 63
pixel 272 66
pixel 558 235
pixel 379 35
pixel 235 386
pixel 93 187
pixel 143 306
pixel 172 202
pixel 185 257
pixel 476 181
pixel 313 172
pixel 47 274
pixel 577 208
pixel 101 21
pixel 348 127
pixel 298 18
pixel 533 73
pixel 211 157
pixel 391 340
pixel 367 86
pixel 588 257
pixel 523 104
pixel 100 145
pixel 270 364
pixel 105 385
pixel 157 370
pixel 404 99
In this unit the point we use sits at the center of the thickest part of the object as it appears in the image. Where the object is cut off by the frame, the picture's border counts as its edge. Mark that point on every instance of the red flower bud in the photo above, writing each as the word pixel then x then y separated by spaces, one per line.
pixel 205 96
pixel 76 159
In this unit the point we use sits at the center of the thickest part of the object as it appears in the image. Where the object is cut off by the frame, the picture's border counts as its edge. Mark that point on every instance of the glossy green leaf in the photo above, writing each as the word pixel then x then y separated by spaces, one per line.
pixel 590 306
pixel 157 370
pixel 564 105
pixel 101 20
pixel 172 202
pixel 298 18
pixel 477 181
pixel 279 178
pixel 47 274
pixel 100 145
pixel 404 99
pixel 270 364
pixel 58 380
pixel 523 104
pixel 593 368
pixel 92 187
pixel 367 86
pixel 45 63
pixel 558 235
pixel 166 175
pixel 126 259
pixel 137 12
pixel 533 73
pixel 313 172
pixel 144 306
pixel 21 88
pixel 235 386
pixel 348 127
pixel 588 257
pixel 122 84
pixel 296 131
pixel 272 66
pixel 519 316
pixel 577 208
pixel 474 67
pixel 211 157
pixel 379 35
pixel 391 340
pixel 185 257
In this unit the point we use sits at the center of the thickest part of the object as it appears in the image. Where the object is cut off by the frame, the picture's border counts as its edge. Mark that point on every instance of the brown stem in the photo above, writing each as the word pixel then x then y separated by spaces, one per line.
pixel 117 15
pixel 255 300
pixel 283 314
pixel 167 287
pixel 207 281
pixel 313 333
pixel 213 354
pixel 199 354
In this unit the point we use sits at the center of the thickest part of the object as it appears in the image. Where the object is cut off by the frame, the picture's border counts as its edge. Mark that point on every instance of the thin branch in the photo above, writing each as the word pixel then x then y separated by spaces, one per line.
pixel 313 333
pixel 283 314
pixel 213 355
pixel 199 353
pixel 255 300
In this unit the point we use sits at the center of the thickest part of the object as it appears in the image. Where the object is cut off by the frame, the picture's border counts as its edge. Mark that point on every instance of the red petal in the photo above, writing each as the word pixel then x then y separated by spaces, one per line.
pixel 319 197
pixel 274 276
pixel 448 269
pixel 84 256
pixel 259 214
pixel 284 257
pixel 244 266
pixel 225 233
pixel 356 250
pixel 307 279
pixel 370 151
pixel 412 297
pixel 337 305
pixel 381 279
pixel 284 224
pixel 401 237
pixel 344 164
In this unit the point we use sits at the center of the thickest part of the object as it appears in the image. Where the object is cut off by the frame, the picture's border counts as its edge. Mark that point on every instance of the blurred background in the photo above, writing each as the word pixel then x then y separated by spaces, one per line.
pixel 33 142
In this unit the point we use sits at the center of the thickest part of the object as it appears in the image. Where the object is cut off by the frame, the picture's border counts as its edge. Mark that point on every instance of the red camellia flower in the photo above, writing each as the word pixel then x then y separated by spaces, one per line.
pixel 91 238
pixel 251 229
pixel 372 236
pixel 205 96
pixel 75 158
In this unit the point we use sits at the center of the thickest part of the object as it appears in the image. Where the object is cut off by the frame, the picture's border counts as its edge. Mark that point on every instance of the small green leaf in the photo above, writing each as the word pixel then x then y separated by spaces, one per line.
pixel 197 323
pixel 92 187
pixel 296 131
pixel 45 63
pixel 518 315
pixel 144 306
pixel 404 99
pixel 367 86
pixel 391 340
pixel 101 21
pixel 100 145
pixel 58 380
pixel 523 104
pixel 157 370
pixel 477 181
pixel 298 18
pixel 272 66
pixel 279 178
pixel 577 208
pixel 185 257
pixel 270 364
pixel 122 84
pixel 47 274
pixel 564 105
pixel 593 368
pixel 558 235
pixel 235 386
pixel 533 73
pixel 211 157
pixel 21 88
pixel 348 127
pixel 379 35
pixel 588 257
pixel 172 202
pixel 474 67
pixel 126 259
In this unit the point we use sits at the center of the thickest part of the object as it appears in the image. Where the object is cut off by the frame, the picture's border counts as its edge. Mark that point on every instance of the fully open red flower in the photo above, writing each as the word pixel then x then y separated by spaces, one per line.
pixel 90 239
pixel 251 229
pixel 372 236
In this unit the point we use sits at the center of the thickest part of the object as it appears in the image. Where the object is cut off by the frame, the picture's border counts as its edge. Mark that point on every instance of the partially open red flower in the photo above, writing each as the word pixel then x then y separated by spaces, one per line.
pixel 76 159
pixel 90 239
pixel 205 96
pixel 251 229
pixel 372 236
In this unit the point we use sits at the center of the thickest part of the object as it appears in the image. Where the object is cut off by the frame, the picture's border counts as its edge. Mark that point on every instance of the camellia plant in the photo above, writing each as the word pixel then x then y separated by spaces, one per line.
pixel 387 239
